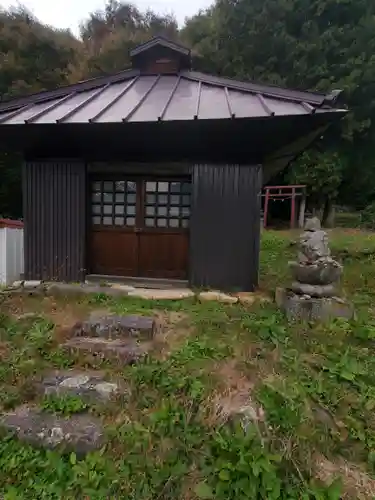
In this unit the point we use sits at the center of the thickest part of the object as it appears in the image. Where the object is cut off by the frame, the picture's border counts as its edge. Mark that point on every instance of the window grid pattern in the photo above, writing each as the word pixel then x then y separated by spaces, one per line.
pixel 113 203
pixel 167 204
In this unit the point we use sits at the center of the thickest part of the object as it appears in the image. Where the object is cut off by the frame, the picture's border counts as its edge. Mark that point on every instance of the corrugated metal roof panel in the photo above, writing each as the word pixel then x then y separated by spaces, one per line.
pixel 281 108
pixel 242 103
pixel 213 103
pixel 27 112
pixel 128 102
pixel 183 105
pixel 89 111
pixel 154 104
pixel 58 112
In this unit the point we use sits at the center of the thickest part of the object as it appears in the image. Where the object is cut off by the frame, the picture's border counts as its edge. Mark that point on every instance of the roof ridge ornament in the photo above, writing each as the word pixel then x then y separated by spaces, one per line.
pixel 332 97
pixel 161 55
pixel 162 41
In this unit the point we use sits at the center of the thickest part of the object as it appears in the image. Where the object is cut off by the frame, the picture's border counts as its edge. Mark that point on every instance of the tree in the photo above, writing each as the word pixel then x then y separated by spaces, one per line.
pixel 199 33
pixel 322 173
pixel 110 34
pixel 305 44
pixel 33 57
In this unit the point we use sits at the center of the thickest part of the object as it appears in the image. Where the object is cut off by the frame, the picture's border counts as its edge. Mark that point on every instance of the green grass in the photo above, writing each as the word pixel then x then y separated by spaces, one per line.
pixel 166 438
pixel 348 219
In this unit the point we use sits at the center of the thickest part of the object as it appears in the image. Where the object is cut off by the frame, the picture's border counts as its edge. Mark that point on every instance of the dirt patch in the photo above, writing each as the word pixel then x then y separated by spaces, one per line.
pixel 4 350
pixel 17 305
pixel 175 330
pixel 231 378
pixel 233 396
pixel 356 483
pixel 64 320
pixel 239 406
pixel 170 318
pixel 192 478
pixel 62 314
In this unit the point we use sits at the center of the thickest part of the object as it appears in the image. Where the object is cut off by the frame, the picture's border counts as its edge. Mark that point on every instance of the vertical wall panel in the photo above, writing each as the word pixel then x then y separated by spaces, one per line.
pixel 55 220
pixel 225 226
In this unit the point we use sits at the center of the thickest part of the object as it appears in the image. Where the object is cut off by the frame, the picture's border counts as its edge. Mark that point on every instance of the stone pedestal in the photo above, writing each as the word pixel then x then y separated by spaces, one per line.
pixel 305 308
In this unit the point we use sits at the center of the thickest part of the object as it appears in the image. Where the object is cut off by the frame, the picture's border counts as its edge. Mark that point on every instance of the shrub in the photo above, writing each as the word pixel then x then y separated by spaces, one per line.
pixel 368 216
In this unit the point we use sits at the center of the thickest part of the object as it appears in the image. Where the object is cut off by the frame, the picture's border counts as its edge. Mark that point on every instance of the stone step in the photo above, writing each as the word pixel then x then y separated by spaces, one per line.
pixel 80 433
pixel 123 351
pixel 90 386
pixel 112 326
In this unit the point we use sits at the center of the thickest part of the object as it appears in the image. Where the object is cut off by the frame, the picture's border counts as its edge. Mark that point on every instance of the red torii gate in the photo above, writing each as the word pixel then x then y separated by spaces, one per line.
pixel 286 192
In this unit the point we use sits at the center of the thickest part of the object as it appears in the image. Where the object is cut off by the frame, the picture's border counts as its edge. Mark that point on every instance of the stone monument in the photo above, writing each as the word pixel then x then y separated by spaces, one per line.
pixel 314 293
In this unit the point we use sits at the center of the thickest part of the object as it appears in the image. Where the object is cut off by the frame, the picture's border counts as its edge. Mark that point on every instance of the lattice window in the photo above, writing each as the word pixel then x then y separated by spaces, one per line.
pixel 114 203
pixel 167 204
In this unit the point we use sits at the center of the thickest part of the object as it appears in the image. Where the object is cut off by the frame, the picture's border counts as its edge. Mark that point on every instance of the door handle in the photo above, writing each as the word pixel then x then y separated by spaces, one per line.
pixel 137 230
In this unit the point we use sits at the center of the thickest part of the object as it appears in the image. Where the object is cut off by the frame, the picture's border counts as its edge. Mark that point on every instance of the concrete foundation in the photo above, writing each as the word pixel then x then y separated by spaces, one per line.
pixel 305 308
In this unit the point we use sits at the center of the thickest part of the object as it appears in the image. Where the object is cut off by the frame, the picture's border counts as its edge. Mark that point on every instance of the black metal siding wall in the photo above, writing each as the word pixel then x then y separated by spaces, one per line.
pixel 225 227
pixel 54 195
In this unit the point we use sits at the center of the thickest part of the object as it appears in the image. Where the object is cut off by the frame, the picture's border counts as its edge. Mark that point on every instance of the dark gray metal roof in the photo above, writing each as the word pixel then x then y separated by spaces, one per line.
pixel 134 97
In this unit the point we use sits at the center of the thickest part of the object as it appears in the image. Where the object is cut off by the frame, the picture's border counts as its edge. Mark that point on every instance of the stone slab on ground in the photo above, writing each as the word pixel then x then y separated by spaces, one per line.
pixel 26 284
pixel 80 433
pixel 90 386
pixel 125 352
pixel 27 288
pixel 162 294
pixel 218 296
pixel 112 326
pixel 82 289
pixel 116 290
pixel 17 284
pixel 32 284
pixel 123 288
pixel 250 298
pixel 305 308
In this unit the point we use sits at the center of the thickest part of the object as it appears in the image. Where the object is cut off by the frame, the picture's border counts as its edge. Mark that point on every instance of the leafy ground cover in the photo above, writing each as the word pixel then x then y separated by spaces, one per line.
pixel 309 390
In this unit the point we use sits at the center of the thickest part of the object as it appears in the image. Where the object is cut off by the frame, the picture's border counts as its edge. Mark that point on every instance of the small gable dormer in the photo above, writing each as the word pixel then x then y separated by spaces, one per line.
pixel 160 56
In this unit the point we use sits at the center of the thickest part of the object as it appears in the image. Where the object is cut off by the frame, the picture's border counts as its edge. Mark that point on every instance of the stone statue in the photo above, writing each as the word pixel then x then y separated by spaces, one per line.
pixel 315 274
pixel 313 243
pixel 313 295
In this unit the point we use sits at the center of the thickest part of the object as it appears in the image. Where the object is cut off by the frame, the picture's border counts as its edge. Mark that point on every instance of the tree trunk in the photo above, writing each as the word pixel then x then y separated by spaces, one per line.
pixel 317 211
pixel 302 209
pixel 328 219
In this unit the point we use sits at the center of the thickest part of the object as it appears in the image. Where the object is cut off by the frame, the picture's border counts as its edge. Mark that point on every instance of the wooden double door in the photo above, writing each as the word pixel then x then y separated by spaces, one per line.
pixel 140 227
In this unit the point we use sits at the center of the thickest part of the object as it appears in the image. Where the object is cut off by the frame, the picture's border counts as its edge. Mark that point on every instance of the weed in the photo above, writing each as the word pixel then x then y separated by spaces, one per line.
pixel 98 298
pixel 64 404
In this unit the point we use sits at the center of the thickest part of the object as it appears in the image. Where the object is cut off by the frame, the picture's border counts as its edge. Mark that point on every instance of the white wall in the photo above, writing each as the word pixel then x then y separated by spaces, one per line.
pixel 11 255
